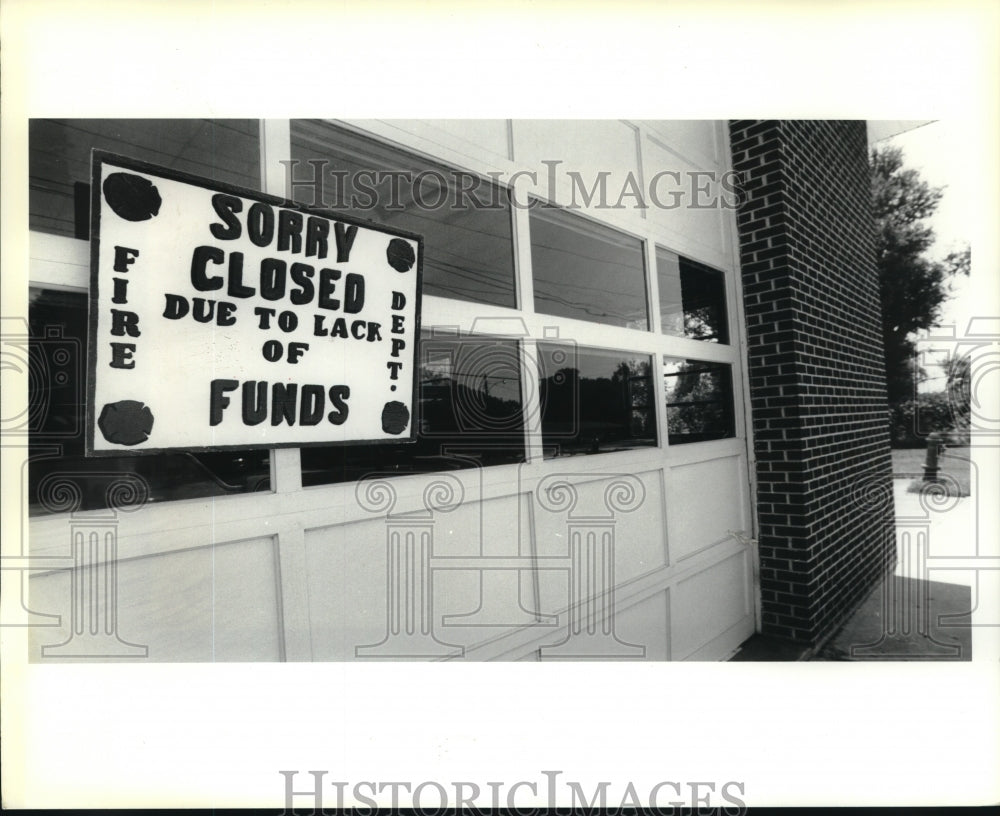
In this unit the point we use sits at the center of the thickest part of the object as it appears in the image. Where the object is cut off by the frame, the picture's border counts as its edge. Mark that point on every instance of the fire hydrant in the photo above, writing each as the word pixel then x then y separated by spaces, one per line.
pixel 935 446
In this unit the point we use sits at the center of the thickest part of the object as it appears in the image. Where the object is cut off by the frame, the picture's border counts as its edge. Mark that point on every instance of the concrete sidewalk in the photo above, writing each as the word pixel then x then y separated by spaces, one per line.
pixel 922 611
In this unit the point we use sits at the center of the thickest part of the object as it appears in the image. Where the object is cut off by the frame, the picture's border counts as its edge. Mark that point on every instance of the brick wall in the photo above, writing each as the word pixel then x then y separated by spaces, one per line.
pixel 816 368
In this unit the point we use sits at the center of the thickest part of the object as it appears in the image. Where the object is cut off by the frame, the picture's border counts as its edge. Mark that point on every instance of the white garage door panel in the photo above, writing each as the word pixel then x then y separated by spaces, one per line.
pixel 693 138
pixel 472 135
pixel 708 604
pixel 216 603
pixel 640 540
pixel 346 578
pixel 493 604
pixel 628 508
pixel 705 504
pixel 493 592
pixel 623 513
pixel 588 148
pixel 481 528
pixel 692 228
pixel 647 624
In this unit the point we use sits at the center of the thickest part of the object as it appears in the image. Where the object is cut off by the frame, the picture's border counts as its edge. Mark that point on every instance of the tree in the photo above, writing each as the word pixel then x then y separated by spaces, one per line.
pixel 913 286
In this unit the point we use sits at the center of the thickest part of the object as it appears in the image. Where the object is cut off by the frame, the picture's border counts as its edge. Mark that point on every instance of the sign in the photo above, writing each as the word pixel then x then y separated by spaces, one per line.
pixel 222 318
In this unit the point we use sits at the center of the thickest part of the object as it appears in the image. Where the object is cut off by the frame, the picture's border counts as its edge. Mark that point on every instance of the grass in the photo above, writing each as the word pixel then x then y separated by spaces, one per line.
pixel 954 467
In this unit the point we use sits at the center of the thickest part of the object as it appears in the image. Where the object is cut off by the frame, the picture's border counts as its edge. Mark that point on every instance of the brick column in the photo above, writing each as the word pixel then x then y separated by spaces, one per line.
pixel 817 371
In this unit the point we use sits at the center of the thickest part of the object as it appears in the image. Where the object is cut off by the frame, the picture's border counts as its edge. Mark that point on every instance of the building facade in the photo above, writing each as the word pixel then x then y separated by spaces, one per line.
pixel 650 409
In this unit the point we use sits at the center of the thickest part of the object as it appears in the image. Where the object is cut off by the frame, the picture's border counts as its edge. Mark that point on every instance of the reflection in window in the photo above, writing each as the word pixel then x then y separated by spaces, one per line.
pixel 692 298
pixel 594 401
pixel 464 220
pixel 587 271
pixel 468 414
pixel 60 477
pixel 225 150
pixel 699 400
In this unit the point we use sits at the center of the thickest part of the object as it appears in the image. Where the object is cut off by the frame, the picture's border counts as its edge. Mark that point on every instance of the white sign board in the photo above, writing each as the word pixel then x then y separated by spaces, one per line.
pixel 222 318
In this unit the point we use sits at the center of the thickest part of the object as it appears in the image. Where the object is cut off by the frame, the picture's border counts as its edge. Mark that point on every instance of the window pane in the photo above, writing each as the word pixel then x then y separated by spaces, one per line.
pixel 225 150
pixel 60 477
pixel 468 414
pixel 692 298
pixel 594 401
pixel 699 400
pixel 587 271
pixel 465 221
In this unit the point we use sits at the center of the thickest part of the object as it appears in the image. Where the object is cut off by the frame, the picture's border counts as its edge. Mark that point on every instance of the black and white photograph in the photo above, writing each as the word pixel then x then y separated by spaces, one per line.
pixel 327 404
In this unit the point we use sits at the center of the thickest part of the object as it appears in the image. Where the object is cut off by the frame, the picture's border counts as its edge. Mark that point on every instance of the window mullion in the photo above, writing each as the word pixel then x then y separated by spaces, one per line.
pixel 522 255
pixel 530 397
pixel 652 285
